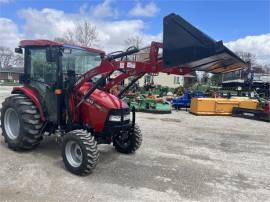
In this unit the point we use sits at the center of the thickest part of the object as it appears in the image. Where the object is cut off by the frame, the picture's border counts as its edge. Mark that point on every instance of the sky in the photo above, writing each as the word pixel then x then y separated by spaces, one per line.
pixel 243 25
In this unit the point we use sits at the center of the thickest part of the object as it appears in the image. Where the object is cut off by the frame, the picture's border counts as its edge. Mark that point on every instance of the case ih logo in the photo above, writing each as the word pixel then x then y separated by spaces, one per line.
pixel 131 65
pixel 90 101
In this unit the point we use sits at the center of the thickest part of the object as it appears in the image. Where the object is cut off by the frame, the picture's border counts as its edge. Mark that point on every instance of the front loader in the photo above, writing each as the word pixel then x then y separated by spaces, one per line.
pixel 65 91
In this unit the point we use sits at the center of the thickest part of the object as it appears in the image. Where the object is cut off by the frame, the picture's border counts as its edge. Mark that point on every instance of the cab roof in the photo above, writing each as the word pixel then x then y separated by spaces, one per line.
pixel 43 42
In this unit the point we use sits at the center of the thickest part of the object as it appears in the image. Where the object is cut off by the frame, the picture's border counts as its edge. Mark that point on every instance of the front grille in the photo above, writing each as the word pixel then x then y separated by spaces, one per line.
pixel 119 111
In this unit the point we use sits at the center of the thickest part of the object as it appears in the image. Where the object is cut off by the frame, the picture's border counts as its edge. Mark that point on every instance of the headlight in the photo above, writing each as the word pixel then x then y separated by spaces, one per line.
pixel 126 117
pixel 115 118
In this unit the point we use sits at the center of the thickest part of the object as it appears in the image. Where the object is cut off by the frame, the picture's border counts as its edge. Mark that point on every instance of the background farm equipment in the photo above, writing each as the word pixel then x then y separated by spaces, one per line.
pixel 185 100
pixel 158 90
pixel 261 114
pixel 220 106
pixel 143 103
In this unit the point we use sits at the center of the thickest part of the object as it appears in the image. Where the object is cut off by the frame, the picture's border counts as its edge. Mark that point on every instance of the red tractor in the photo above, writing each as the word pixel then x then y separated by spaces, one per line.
pixel 66 88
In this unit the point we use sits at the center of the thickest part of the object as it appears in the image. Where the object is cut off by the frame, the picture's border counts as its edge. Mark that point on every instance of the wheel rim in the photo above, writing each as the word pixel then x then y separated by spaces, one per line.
pixel 73 153
pixel 124 141
pixel 12 123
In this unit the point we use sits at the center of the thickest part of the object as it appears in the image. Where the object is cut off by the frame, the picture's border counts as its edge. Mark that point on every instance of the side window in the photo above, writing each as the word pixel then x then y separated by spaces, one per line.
pixel 41 70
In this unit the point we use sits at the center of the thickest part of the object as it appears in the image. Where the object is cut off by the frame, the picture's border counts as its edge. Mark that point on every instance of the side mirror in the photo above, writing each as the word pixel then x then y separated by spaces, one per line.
pixel 18 50
pixel 52 54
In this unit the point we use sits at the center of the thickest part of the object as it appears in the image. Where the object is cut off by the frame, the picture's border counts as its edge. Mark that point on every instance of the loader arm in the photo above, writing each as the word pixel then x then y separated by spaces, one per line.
pixel 105 67
pixel 153 63
pixel 141 69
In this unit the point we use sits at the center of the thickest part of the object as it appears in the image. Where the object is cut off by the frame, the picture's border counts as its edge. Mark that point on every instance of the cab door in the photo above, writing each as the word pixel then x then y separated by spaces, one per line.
pixel 43 78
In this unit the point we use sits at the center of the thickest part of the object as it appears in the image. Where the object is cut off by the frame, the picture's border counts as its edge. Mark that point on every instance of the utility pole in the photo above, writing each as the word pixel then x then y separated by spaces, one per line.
pixel 250 78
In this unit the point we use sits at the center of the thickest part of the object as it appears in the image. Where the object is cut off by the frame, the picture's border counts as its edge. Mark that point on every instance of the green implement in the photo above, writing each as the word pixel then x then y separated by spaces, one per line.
pixel 149 105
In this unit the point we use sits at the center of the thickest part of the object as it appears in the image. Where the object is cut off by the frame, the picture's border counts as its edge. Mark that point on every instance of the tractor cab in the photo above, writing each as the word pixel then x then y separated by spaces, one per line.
pixel 50 66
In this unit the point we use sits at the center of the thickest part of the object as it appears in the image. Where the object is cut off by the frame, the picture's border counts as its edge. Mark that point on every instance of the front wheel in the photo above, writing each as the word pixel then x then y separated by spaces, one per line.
pixel 128 142
pixel 79 152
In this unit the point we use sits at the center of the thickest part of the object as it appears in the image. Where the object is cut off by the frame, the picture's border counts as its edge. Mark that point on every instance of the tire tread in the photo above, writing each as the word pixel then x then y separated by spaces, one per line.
pixel 30 122
pixel 87 141
pixel 136 141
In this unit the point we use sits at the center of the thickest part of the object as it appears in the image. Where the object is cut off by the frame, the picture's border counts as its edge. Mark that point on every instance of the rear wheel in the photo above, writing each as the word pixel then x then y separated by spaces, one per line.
pixel 128 142
pixel 79 152
pixel 21 124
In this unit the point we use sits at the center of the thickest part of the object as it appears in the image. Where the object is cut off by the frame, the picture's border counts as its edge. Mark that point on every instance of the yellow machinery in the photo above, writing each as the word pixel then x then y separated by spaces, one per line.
pixel 220 106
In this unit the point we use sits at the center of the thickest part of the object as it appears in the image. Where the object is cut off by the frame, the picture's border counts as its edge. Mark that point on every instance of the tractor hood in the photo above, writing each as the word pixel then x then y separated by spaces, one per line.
pixel 108 100
pixel 102 98
pixel 186 46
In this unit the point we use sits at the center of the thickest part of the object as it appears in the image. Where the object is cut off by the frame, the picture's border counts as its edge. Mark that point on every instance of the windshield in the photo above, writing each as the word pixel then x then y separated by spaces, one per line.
pixel 79 61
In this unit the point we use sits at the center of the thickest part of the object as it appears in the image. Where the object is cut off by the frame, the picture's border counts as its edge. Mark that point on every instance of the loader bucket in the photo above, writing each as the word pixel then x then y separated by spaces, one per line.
pixel 186 46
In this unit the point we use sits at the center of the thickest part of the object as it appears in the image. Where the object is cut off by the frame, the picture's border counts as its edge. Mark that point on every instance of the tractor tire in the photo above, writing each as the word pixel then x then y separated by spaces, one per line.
pixel 79 151
pixel 21 124
pixel 131 143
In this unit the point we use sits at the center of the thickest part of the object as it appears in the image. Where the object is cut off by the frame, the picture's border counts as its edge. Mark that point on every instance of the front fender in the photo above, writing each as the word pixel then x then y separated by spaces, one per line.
pixel 31 94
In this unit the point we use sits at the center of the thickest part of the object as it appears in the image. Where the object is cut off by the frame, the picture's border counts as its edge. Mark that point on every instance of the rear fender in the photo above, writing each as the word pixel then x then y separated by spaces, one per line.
pixel 31 94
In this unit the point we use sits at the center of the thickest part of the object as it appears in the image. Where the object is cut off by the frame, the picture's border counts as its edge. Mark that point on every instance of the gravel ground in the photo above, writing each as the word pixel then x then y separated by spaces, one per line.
pixel 183 158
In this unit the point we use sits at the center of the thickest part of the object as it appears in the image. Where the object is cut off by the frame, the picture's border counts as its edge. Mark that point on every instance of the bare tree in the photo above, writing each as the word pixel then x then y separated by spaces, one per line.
pixel 62 40
pixel 134 41
pixel 69 36
pixel 86 34
pixel 9 59
pixel 6 56
pixel 247 57
pixel 18 60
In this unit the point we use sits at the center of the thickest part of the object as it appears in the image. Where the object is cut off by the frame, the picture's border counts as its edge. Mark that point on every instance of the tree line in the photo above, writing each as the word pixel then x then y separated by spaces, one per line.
pixel 9 59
